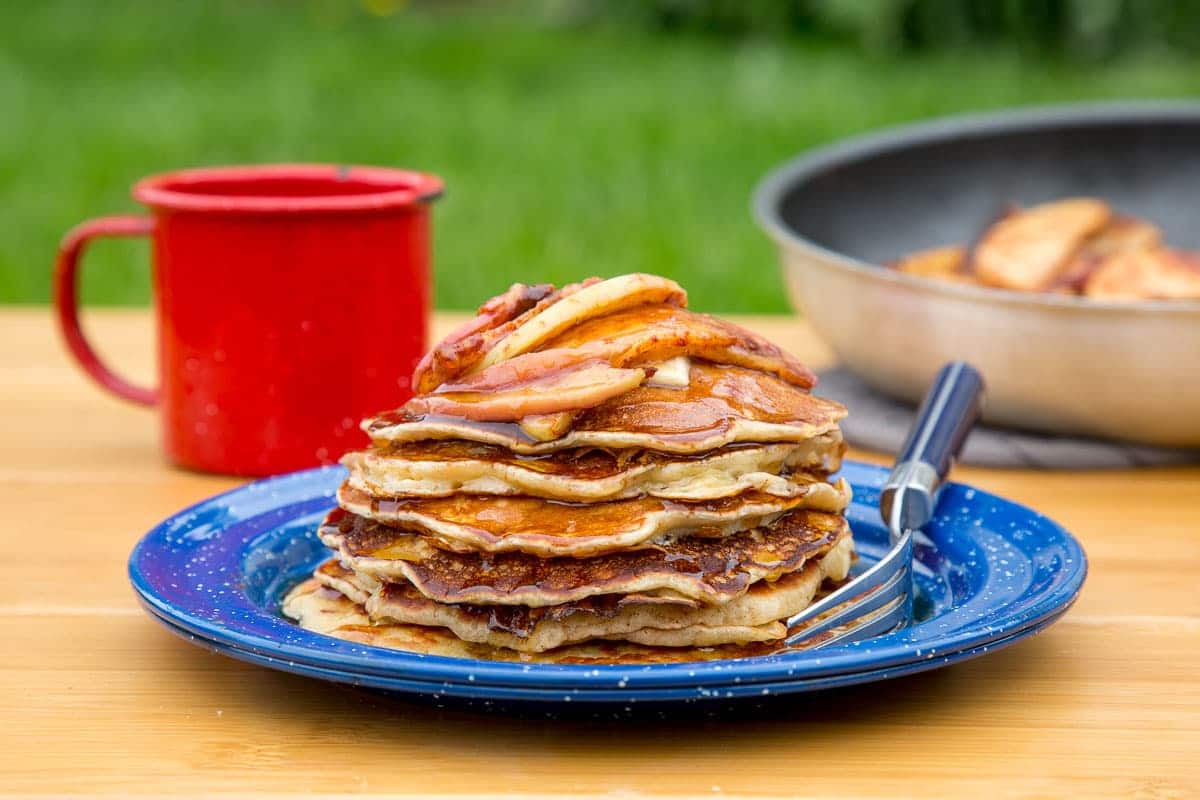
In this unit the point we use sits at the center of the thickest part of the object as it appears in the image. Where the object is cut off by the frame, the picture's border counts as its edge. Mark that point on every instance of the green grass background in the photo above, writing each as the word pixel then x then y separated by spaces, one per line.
pixel 567 152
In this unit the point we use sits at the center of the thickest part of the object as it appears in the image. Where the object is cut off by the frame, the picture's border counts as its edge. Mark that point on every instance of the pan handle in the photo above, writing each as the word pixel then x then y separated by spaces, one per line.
pixel 950 409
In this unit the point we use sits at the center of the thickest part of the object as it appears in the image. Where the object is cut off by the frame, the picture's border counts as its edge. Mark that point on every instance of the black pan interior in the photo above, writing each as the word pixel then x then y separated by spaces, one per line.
pixel 904 192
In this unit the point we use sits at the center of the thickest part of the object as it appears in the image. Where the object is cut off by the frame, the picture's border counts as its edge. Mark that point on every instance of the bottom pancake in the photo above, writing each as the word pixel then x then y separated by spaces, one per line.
pixel 753 617
pixel 327 611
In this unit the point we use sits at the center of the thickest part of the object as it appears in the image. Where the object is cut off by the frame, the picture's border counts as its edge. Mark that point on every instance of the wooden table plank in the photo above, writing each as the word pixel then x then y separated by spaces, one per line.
pixel 131 701
pixel 96 699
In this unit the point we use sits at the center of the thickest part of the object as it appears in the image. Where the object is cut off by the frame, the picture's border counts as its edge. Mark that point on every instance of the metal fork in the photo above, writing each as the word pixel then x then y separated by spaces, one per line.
pixel 880 600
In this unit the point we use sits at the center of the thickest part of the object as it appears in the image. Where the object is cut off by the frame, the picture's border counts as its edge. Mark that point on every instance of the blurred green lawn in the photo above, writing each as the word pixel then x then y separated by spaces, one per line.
pixel 566 152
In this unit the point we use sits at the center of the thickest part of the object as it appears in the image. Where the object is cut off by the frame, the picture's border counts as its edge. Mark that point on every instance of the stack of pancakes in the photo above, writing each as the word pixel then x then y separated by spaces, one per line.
pixel 593 470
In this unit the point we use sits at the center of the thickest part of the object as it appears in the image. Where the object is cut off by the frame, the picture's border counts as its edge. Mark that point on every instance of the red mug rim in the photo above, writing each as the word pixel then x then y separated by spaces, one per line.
pixel 248 188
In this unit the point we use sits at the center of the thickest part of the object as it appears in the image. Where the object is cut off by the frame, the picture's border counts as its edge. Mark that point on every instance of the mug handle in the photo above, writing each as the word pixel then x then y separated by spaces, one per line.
pixel 66 299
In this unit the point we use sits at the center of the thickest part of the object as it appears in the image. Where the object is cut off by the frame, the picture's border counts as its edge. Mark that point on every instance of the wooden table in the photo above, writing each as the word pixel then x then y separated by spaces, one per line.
pixel 95 698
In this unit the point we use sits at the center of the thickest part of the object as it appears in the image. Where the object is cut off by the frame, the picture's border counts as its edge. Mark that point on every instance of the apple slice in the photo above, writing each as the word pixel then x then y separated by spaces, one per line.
pixel 1156 273
pixel 596 300
pixel 1029 249
pixel 530 385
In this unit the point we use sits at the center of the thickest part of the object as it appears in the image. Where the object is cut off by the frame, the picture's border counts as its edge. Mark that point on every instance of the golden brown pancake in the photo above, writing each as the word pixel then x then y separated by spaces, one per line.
pixel 753 617
pixel 719 406
pixel 483 523
pixel 327 611
pixel 334 576
pixel 584 466
pixel 442 468
pixel 711 570
pixel 518 620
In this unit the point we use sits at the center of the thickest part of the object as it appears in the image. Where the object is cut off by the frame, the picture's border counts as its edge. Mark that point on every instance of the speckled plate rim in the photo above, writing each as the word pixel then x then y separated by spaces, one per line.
pixel 686 694
pixel 1000 606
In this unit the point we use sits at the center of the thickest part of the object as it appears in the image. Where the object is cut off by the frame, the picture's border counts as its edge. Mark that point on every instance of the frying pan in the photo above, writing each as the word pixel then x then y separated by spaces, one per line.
pixel 1053 363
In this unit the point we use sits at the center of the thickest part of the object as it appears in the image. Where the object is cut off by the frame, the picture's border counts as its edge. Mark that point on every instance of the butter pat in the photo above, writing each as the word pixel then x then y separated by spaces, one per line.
pixel 673 373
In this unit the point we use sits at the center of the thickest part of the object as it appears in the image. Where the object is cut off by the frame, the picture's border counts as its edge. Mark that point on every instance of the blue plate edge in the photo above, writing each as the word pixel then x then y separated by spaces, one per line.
pixel 729 690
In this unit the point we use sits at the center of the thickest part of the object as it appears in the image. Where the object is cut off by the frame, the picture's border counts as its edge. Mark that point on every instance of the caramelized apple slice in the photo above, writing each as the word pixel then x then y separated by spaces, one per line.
pixel 1029 250
pixel 498 317
pixel 649 335
pixel 1157 273
pixel 937 262
pixel 1123 233
pixel 602 298
pixel 531 385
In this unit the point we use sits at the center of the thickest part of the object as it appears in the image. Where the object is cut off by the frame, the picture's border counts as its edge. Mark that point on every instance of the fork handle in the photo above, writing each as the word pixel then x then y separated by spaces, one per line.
pixel 949 411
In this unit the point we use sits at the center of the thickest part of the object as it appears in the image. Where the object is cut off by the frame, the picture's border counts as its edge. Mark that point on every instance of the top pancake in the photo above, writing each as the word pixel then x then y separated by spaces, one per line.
pixel 721 405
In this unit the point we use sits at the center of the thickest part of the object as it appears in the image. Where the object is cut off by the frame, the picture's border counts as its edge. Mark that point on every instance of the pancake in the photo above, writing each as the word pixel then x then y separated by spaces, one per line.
pixel 709 570
pixel 514 619
pixel 753 617
pixel 333 575
pixel 399 603
pixel 592 474
pixel 324 610
pixel 483 523
pixel 442 468
pixel 719 406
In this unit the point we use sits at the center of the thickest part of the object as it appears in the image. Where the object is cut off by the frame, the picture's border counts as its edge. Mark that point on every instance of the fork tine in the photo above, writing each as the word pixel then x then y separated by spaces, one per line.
pixel 891 618
pixel 900 556
pixel 878 600
pixel 887 601
pixel 883 599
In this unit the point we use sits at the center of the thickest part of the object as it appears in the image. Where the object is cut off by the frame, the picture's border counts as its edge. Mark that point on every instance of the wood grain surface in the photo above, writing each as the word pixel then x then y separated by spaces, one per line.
pixel 97 699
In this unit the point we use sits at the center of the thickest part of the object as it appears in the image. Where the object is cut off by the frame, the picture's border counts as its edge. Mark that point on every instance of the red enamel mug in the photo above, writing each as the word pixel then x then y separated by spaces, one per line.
pixel 291 300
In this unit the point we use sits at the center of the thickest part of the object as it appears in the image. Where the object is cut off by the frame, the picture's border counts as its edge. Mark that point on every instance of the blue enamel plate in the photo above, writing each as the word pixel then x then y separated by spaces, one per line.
pixel 988 572
pixel 732 690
